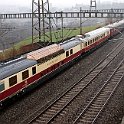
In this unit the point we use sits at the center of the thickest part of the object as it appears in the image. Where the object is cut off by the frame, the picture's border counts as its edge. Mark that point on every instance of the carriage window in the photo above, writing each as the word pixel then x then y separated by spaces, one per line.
pixel 12 80
pixel 86 44
pixel 25 74
pixel 71 51
pixel 2 87
pixel 33 70
pixel 67 53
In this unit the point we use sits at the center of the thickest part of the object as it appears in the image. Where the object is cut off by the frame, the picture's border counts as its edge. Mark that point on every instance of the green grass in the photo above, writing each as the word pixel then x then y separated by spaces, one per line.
pixel 66 33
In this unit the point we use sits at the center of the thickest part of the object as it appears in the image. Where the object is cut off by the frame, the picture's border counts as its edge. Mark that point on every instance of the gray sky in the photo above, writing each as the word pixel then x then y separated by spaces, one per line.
pixel 61 3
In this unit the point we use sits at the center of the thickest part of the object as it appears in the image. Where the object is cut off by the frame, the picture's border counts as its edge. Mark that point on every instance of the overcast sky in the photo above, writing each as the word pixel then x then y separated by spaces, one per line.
pixel 61 3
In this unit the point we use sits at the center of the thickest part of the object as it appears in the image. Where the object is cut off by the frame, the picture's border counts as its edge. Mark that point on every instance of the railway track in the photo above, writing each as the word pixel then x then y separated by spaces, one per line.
pixel 95 106
pixel 55 109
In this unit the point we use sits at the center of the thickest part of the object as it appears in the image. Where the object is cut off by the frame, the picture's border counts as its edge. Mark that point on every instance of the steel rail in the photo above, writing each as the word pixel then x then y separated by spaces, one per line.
pixel 109 58
pixel 117 76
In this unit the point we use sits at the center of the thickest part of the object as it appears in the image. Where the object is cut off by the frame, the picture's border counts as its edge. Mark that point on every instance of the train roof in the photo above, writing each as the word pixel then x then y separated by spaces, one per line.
pixel 80 38
pixel 12 67
pixel 93 33
pixel 116 24
pixel 71 43
pixel 43 52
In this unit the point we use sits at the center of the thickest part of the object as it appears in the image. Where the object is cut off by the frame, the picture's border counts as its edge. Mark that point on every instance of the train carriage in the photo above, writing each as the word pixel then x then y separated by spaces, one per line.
pixel 12 76
pixel 116 27
pixel 25 72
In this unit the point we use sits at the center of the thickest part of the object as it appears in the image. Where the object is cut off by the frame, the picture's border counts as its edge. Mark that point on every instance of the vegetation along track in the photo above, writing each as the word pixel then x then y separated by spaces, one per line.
pixel 54 109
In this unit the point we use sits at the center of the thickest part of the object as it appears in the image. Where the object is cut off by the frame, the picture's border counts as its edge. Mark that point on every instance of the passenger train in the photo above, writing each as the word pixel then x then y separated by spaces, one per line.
pixel 24 73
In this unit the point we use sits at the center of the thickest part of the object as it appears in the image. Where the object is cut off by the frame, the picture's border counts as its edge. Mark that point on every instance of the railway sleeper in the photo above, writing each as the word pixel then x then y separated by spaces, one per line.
pixel 62 114
pixel 46 116
pixel 101 99
pixel 40 121
pixel 117 77
pixel 121 69
pixel 83 82
pixel 79 87
pixel 108 90
pixel 119 74
pixel 94 74
pixel 84 122
pixel 115 80
pixel 65 98
pixel 62 101
pixel 64 111
pixel 71 92
pixel 34 123
pixel 98 103
pixel 82 85
pixel 89 79
pixel 57 105
pixel 109 86
pixel 50 111
pixel 95 106
pixel 87 117
pixel 68 95
pixel 54 108
pixel 91 98
pixel 102 94
pixel 76 88
pixel 91 112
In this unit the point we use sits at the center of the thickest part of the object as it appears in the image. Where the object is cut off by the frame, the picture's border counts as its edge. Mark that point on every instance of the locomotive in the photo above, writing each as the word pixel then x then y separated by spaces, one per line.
pixel 32 69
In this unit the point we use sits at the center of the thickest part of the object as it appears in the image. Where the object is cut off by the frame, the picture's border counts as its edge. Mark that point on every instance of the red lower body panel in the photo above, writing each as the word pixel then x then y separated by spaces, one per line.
pixel 22 85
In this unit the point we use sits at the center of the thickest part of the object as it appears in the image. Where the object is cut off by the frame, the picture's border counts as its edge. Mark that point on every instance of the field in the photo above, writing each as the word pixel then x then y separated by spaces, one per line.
pixel 17 48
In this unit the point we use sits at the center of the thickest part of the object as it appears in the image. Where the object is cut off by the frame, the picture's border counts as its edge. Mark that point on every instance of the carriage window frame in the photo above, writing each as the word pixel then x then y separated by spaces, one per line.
pixel 34 70
pixel 88 42
pixel 85 43
pixel 71 51
pixel 13 80
pixel 2 87
pixel 25 74
pixel 67 53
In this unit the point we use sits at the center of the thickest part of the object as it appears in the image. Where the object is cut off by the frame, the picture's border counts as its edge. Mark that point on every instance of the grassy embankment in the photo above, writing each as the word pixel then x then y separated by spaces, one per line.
pixel 17 48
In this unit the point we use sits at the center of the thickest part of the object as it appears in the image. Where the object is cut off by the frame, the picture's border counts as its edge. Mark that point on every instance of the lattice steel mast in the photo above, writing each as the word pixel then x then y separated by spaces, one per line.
pixel 40 23
pixel 92 4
